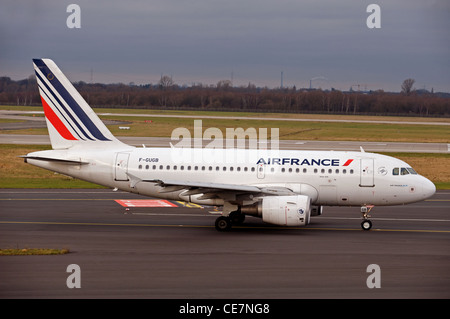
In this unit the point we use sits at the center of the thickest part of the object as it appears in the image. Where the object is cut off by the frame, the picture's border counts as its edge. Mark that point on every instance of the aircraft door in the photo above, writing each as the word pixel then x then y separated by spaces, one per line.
pixel 366 173
pixel 121 167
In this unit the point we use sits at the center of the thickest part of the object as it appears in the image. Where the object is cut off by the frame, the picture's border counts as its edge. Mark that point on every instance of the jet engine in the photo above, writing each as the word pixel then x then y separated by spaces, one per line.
pixel 282 210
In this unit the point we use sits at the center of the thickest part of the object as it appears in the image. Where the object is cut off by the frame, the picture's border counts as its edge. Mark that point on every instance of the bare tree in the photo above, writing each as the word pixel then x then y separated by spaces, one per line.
pixel 165 82
pixel 224 85
pixel 407 86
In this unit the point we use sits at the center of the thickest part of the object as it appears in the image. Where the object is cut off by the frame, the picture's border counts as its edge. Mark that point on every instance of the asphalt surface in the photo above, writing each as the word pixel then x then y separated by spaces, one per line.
pixel 21 115
pixel 175 252
pixel 283 144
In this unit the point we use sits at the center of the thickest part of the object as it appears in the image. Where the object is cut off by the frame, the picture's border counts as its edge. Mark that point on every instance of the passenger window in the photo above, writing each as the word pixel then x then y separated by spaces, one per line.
pixel 395 171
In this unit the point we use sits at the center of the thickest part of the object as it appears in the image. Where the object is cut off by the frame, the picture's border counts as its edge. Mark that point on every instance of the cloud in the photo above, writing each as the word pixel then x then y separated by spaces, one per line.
pixel 207 40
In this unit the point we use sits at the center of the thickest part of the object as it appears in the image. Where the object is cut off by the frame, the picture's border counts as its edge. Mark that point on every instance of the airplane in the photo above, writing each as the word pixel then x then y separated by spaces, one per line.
pixel 283 187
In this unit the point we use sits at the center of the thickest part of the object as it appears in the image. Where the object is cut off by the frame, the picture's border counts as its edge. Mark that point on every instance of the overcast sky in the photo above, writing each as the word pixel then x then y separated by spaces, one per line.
pixel 247 40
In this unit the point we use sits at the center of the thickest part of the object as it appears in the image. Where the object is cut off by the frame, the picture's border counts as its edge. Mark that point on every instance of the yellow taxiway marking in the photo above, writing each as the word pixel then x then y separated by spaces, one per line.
pixel 237 227
pixel 190 205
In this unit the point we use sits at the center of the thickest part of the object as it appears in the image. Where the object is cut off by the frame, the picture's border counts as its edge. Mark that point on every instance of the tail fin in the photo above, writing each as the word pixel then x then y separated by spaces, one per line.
pixel 70 120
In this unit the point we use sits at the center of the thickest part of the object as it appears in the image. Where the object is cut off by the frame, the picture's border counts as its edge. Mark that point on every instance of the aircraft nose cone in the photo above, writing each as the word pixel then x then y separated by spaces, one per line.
pixel 429 189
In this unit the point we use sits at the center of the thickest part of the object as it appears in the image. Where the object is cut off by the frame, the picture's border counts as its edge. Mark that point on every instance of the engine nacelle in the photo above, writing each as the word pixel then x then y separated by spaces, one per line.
pixel 286 210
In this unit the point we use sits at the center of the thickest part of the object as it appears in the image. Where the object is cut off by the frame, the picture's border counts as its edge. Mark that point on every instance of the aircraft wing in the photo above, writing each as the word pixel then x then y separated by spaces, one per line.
pixel 217 188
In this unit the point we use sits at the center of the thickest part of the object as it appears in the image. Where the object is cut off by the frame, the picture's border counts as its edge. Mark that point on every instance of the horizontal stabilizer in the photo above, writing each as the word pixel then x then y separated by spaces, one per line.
pixel 52 159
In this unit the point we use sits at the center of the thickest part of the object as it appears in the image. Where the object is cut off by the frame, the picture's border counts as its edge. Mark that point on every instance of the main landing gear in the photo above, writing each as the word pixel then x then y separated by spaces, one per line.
pixel 366 223
pixel 224 223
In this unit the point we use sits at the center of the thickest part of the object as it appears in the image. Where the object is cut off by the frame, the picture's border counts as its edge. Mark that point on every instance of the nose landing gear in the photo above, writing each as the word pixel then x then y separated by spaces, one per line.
pixel 366 223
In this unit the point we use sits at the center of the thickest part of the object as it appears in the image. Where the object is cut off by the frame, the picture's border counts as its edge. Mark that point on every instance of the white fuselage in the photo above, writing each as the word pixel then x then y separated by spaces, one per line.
pixel 329 178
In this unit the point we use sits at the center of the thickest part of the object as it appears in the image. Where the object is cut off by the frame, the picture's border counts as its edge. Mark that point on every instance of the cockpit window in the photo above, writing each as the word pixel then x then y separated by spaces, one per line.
pixel 403 171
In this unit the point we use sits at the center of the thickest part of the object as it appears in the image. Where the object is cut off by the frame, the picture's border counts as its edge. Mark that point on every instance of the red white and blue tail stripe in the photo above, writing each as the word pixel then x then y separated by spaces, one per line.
pixel 70 120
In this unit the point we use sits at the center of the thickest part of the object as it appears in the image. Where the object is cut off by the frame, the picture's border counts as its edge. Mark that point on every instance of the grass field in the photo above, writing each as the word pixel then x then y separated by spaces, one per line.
pixel 14 173
pixel 163 127
pixel 32 251
pixel 288 130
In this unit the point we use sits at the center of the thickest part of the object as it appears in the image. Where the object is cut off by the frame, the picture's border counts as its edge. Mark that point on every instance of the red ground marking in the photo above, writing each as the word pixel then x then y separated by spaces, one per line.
pixel 145 203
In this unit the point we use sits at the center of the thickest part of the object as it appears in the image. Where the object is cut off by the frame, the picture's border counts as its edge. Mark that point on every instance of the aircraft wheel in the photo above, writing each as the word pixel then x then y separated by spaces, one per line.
pixel 223 224
pixel 366 224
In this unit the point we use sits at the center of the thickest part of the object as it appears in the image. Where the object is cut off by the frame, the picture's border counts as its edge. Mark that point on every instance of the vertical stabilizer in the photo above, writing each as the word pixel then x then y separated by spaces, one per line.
pixel 70 120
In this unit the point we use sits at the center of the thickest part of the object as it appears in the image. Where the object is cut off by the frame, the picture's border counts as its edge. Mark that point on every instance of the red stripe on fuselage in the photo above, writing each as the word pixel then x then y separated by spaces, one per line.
pixel 56 122
pixel 348 162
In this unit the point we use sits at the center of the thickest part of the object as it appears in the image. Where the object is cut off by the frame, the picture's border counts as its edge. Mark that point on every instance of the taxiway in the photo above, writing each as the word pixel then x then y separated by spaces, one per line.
pixel 175 251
